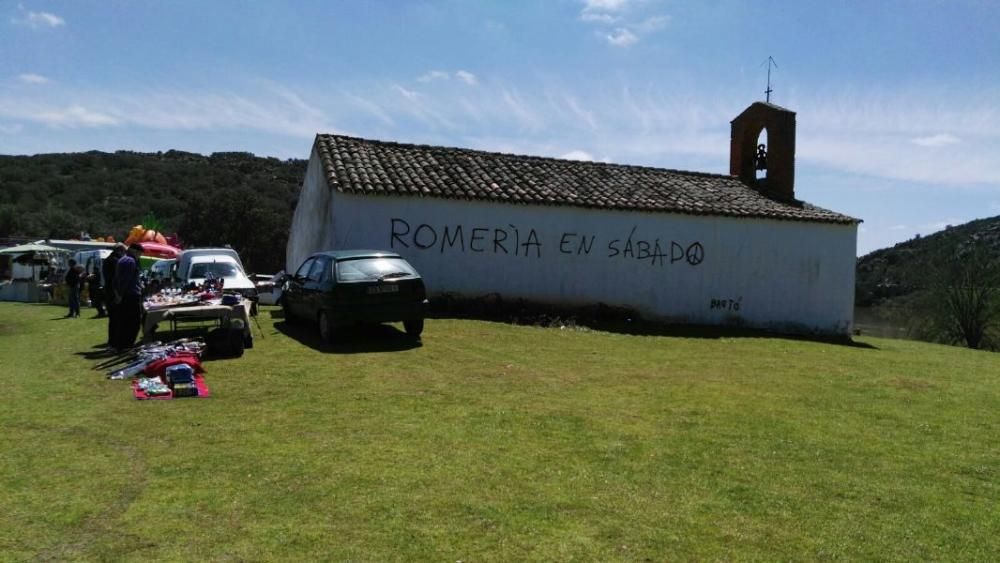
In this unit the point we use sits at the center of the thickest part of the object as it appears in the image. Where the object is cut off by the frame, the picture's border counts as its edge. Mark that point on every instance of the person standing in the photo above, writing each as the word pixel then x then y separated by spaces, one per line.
pixel 74 279
pixel 96 289
pixel 108 269
pixel 128 297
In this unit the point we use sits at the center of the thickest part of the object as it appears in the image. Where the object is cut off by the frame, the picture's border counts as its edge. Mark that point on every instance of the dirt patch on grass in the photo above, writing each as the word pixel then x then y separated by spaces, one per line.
pixel 8 328
pixel 910 384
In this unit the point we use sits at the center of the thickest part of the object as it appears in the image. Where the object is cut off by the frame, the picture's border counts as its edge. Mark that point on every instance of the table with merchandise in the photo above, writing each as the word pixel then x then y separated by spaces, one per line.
pixel 230 311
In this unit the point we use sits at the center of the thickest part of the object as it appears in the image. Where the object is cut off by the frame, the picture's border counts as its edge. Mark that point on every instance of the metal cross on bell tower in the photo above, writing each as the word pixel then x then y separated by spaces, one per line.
pixel 769 62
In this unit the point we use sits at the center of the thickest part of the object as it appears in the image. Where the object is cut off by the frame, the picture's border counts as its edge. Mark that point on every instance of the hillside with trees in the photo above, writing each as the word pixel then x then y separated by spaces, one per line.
pixel 230 198
pixel 943 287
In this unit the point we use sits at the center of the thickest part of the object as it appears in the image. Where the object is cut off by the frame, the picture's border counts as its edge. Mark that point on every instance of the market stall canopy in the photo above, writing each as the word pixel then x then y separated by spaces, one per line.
pixel 34 247
pixel 76 244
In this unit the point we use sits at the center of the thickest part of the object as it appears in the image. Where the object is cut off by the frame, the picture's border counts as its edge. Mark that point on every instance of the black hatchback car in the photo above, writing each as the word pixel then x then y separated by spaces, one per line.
pixel 345 287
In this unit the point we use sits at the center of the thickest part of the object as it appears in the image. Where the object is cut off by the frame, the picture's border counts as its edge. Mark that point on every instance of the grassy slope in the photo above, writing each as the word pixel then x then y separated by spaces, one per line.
pixel 503 442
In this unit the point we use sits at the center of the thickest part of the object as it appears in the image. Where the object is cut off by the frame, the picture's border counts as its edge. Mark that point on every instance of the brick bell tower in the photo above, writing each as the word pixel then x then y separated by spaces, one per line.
pixel 776 159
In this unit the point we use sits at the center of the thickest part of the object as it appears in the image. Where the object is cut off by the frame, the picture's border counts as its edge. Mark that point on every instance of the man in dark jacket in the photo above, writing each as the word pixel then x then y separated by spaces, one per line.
pixel 108 269
pixel 128 291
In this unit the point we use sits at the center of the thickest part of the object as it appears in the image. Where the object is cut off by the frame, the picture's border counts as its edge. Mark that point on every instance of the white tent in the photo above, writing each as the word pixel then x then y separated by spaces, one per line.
pixel 27 262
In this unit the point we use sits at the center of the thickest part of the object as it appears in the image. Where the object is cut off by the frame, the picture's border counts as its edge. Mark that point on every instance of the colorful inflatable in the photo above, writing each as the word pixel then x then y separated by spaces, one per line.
pixel 157 250
pixel 154 243
pixel 140 234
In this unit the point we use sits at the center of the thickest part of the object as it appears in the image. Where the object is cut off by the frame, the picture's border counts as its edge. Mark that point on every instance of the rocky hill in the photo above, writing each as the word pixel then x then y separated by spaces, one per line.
pixel 903 271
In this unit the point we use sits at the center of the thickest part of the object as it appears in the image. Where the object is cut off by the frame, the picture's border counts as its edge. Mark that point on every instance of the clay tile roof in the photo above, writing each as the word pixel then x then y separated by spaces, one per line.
pixel 454 173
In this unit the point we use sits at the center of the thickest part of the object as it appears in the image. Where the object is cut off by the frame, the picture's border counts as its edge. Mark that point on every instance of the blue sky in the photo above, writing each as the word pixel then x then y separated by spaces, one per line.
pixel 898 101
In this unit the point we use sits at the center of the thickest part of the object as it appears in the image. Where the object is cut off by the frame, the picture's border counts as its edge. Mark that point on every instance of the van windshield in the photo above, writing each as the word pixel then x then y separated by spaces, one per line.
pixel 215 269
pixel 373 269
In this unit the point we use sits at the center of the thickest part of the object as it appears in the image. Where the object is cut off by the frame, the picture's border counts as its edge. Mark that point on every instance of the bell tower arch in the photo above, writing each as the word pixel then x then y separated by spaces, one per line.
pixel 774 155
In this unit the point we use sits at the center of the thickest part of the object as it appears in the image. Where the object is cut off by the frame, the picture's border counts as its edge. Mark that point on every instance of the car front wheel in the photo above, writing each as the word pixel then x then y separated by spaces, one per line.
pixel 414 327
pixel 286 311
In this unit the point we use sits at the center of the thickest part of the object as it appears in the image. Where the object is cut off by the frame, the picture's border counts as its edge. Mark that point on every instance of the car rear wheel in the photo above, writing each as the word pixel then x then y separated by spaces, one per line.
pixel 414 327
pixel 325 327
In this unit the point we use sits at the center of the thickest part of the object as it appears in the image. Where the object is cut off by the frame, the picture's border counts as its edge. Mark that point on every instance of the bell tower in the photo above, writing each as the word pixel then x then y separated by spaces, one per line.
pixel 775 159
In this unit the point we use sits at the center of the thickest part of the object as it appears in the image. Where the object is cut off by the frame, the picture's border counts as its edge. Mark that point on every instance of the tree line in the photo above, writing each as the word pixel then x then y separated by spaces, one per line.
pixel 230 198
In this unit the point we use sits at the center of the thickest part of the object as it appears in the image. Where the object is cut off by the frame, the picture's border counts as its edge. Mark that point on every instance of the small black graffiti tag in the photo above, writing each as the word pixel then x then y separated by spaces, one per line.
pixel 695 254
pixel 733 305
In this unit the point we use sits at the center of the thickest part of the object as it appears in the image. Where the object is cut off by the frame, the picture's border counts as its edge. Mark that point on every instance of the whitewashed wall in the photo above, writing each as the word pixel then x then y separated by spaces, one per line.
pixel 781 275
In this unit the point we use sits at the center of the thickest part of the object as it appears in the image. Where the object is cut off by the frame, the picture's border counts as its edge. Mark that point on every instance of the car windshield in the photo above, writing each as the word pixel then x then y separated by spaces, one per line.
pixel 215 269
pixel 373 269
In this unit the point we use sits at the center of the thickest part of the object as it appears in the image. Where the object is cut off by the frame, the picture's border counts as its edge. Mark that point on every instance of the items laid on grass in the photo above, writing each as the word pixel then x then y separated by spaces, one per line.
pixel 165 370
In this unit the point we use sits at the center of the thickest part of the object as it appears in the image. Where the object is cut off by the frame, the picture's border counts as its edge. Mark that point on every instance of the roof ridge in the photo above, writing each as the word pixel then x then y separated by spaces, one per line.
pixel 530 156
pixel 376 167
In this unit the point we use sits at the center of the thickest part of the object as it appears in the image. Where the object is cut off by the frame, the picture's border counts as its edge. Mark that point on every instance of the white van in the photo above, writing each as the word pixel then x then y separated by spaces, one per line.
pixel 162 269
pixel 197 265
pixel 91 260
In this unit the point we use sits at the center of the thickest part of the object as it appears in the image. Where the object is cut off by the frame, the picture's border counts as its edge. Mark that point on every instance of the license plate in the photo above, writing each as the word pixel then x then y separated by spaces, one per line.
pixel 383 289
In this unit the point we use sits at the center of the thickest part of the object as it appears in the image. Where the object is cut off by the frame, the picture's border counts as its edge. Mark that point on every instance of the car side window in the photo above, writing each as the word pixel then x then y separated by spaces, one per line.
pixel 316 272
pixel 303 270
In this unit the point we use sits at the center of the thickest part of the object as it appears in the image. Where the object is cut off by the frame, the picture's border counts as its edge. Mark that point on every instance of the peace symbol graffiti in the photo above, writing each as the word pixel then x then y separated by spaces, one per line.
pixel 695 254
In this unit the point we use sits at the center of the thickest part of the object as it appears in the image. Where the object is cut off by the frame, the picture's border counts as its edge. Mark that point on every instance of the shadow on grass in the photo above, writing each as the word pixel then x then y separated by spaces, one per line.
pixel 354 340
pixel 106 358
pixel 606 319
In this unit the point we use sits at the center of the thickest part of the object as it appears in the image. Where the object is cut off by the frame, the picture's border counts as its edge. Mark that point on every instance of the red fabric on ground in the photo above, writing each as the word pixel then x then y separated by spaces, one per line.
pixel 159 367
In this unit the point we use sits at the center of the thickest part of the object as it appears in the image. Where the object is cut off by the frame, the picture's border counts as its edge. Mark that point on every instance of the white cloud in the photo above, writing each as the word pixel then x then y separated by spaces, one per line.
pixel 408 94
pixel 577 155
pixel 939 140
pixel 653 23
pixel 433 75
pixel 422 109
pixel 30 78
pixel 461 75
pixel 621 37
pixel 606 19
pixel 579 111
pixel 371 107
pixel 467 77
pixel 36 20
pixel 898 228
pixel 73 116
pixel 276 110
pixel 521 110
pixel 605 5
pixel 620 31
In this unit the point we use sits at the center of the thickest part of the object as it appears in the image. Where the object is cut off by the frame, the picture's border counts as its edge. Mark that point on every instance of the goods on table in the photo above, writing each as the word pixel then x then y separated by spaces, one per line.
pixel 169 298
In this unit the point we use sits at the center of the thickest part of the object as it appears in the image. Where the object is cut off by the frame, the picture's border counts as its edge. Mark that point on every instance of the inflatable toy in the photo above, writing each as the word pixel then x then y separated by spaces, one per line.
pixel 159 250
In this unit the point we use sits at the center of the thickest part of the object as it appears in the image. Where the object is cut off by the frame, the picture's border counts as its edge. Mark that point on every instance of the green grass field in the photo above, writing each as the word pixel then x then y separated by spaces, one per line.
pixel 499 442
